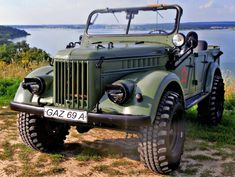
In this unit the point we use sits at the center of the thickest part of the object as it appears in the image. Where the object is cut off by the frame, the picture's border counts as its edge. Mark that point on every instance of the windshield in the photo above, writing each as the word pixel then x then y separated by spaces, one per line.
pixel 149 22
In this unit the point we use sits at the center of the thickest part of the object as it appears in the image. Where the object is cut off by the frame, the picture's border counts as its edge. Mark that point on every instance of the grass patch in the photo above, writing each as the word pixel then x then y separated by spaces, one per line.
pixel 200 157
pixel 56 158
pixel 37 168
pixel 203 148
pixel 223 134
pixel 8 123
pixel 101 168
pixel 57 170
pixel 140 172
pixel 107 170
pixel 121 163
pixel 222 154
pixel 206 173
pixel 229 104
pixel 25 157
pixel 189 171
pixel 8 152
pixel 8 88
pixel 228 169
pixel 42 161
pixel 87 154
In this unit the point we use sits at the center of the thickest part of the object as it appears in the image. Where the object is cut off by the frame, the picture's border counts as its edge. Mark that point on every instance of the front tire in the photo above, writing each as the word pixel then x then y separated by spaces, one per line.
pixel 161 144
pixel 40 133
pixel 210 110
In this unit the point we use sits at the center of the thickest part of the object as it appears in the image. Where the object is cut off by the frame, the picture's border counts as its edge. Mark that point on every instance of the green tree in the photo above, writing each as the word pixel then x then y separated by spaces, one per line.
pixel 21 53
pixel 7 52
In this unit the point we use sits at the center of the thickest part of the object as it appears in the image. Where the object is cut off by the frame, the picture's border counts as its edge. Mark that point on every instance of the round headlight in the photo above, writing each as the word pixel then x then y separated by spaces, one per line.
pixel 178 40
pixel 34 85
pixel 119 93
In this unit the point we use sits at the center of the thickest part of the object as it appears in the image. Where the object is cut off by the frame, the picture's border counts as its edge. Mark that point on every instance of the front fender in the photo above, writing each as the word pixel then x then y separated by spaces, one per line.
pixel 151 85
pixel 24 96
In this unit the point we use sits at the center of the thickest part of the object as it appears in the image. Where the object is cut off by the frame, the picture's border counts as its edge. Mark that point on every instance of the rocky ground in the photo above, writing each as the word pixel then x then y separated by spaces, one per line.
pixel 103 153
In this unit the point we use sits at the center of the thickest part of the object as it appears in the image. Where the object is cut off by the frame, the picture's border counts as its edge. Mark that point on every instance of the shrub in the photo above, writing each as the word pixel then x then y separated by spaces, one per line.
pixel 8 88
pixel 229 81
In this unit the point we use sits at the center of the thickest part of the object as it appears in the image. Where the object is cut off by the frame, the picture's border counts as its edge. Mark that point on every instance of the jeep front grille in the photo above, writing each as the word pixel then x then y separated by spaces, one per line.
pixel 70 84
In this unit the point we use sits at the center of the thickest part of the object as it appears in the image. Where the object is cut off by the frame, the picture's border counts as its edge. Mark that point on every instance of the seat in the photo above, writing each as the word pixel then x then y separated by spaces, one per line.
pixel 202 45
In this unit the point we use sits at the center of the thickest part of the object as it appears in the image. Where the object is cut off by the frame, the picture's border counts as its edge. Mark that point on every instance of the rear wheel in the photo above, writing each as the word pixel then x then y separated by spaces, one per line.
pixel 161 144
pixel 210 110
pixel 41 134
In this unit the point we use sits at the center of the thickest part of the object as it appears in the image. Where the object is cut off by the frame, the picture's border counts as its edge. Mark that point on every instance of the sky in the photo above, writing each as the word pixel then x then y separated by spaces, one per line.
pixel 33 12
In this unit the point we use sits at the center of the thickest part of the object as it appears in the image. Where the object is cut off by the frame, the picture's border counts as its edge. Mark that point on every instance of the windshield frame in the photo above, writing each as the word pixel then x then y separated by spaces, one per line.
pixel 178 9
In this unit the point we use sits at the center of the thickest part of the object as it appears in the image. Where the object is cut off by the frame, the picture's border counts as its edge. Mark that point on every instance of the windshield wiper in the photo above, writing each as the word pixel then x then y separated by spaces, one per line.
pixel 114 15
pixel 160 14
pixel 139 42
pixel 98 42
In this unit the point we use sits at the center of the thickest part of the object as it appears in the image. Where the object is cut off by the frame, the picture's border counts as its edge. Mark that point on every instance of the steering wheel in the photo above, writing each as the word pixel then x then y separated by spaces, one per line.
pixel 159 31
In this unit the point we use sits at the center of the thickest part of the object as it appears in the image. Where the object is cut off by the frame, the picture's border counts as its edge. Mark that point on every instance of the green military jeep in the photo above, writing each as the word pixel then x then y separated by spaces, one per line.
pixel 131 70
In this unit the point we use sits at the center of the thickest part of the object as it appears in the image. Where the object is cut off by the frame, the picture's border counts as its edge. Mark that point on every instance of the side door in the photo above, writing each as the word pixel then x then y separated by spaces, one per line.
pixel 200 65
pixel 186 72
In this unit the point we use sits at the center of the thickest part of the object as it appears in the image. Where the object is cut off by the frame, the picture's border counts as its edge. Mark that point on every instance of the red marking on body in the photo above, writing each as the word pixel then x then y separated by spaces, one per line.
pixel 184 75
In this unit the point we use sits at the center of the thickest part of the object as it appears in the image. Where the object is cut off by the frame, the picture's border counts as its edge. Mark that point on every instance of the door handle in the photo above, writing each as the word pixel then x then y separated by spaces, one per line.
pixel 190 66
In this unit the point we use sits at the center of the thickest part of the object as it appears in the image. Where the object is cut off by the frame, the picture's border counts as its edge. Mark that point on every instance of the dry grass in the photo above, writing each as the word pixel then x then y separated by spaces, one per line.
pixel 17 71
pixel 229 80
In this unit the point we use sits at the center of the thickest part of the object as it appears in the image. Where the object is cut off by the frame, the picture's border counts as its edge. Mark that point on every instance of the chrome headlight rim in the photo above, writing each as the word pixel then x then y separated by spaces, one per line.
pixel 179 40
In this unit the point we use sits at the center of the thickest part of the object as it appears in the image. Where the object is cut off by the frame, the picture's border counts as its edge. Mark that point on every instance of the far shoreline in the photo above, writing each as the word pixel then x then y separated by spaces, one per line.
pixel 183 26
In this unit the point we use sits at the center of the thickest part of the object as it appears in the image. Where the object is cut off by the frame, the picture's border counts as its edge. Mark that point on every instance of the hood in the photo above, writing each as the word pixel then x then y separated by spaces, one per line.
pixel 119 51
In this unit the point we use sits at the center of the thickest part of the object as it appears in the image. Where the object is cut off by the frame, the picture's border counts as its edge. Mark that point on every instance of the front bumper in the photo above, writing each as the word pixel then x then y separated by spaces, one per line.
pixel 121 121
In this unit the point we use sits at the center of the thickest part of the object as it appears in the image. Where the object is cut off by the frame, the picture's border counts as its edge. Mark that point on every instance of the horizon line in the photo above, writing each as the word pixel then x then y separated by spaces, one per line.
pixel 67 24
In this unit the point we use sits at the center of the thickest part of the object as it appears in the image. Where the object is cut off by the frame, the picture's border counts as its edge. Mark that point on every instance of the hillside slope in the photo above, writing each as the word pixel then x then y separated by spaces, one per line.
pixel 7 32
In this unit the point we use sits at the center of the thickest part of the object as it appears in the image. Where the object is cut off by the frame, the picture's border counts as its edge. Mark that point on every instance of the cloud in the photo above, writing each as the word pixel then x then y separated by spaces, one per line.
pixel 207 5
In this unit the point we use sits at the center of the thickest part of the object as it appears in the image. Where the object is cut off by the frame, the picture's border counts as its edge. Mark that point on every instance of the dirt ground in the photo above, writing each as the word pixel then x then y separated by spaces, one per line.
pixel 102 153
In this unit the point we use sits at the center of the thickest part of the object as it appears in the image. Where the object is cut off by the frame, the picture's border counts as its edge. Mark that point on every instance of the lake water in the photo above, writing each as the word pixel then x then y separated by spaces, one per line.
pixel 54 39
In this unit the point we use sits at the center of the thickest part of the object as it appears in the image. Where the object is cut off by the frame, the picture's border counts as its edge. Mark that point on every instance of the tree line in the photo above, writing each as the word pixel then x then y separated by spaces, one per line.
pixel 22 54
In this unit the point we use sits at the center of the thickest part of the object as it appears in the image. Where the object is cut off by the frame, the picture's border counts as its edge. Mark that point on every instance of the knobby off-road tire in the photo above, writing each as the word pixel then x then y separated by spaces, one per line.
pixel 41 134
pixel 161 144
pixel 210 110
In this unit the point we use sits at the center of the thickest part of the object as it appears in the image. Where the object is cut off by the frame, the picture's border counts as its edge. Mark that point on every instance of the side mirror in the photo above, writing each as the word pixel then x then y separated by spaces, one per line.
pixel 192 40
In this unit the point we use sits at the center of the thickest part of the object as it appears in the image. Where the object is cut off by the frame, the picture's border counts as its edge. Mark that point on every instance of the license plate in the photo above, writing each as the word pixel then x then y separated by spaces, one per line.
pixel 65 114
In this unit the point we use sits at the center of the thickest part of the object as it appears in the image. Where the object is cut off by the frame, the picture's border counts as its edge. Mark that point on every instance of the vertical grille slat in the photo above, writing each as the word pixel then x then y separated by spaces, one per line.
pixel 73 83
pixel 57 85
pixel 68 84
pixel 78 75
pixel 65 79
pixel 82 93
pixel 71 79
pixel 61 83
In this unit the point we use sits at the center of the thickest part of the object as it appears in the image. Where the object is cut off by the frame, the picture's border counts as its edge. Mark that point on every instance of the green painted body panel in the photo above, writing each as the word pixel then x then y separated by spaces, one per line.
pixel 24 96
pixel 115 63
pixel 151 85
pixel 123 50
